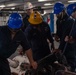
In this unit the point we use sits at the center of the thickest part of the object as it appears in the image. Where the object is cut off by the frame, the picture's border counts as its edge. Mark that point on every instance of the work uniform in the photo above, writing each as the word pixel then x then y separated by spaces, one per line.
pixel 37 37
pixel 25 22
pixel 8 46
pixel 73 34
pixel 66 24
pixel 59 28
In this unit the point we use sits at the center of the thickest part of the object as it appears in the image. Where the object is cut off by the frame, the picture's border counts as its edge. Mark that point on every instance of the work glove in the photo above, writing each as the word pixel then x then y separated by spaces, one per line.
pixel 56 38
pixel 69 39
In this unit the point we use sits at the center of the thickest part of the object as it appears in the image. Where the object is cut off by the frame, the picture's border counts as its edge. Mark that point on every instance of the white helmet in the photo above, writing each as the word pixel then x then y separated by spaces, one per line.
pixel 28 5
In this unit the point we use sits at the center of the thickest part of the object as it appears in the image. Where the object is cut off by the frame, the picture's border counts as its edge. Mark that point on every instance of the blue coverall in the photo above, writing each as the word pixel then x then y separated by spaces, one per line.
pixel 8 46
pixel 66 26
pixel 25 22
pixel 37 37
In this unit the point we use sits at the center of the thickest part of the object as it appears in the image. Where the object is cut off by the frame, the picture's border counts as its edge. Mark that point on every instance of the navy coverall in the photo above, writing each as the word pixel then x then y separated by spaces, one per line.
pixel 66 26
pixel 73 34
pixel 8 46
pixel 37 37
pixel 25 22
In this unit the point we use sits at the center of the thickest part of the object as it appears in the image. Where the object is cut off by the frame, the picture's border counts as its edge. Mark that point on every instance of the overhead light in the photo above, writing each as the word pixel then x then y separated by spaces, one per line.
pixel 72 1
pixel 2 6
pixel 13 4
pixel 41 0
pixel 47 4
pixel 13 8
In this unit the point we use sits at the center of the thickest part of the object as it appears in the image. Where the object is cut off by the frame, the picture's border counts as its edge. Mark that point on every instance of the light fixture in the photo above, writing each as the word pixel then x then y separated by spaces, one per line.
pixel 41 0
pixel 72 1
pixel 13 8
pixel 47 4
pixel 12 4
pixel 2 6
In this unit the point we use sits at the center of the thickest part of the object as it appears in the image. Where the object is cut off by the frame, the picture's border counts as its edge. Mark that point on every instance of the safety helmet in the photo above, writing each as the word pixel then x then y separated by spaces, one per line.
pixel 58 7
pixel 35 18
pixel 28 5
pixel 70 8
pixel 15 21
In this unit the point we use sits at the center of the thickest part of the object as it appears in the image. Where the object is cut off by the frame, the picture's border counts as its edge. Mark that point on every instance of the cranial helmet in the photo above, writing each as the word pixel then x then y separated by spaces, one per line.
pixel 35 18
pixel 28 5
pixel 58 7
pixel 15 21
pixel 71 8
